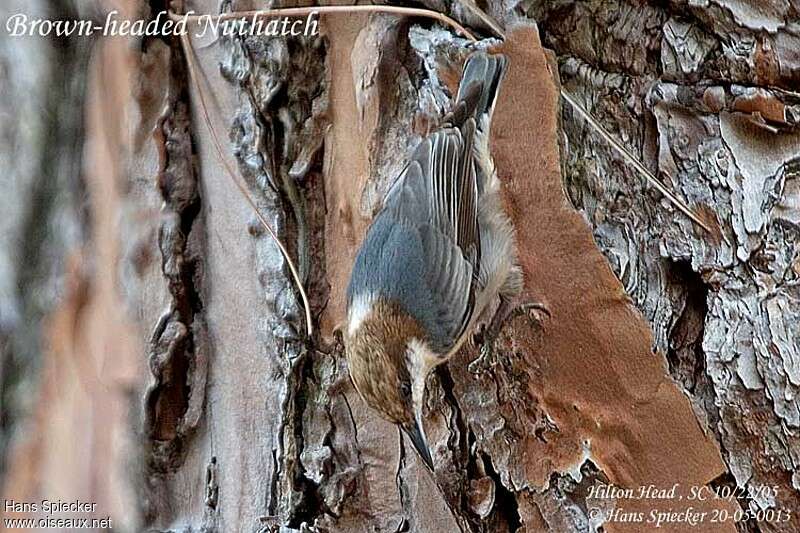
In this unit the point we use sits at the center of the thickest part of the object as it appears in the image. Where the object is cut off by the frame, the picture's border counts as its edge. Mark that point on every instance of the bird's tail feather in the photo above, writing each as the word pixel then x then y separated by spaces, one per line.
pixel 477 92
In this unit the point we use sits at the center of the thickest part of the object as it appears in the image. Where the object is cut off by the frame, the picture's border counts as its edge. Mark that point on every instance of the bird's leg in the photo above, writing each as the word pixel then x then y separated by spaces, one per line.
pixel 487 336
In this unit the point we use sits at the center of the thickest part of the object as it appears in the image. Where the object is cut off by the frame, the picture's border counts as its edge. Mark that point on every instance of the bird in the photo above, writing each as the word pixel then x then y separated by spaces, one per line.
pixel 435 259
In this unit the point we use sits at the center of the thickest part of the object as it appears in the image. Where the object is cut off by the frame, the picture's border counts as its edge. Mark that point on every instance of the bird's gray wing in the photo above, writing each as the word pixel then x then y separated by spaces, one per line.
pixel 436 197
pixel 420 269
pixel 450 283
pixel 423 249
pixel 441 179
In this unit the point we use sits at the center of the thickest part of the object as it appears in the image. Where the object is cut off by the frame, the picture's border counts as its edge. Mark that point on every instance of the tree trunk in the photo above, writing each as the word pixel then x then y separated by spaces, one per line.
pixel 155 355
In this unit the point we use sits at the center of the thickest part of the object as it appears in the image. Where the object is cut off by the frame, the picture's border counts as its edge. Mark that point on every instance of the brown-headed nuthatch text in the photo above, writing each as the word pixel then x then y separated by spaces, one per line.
pixel 436 257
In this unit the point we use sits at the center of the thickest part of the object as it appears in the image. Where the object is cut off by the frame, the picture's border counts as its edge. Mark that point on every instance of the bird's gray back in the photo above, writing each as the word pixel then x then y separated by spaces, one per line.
pixel 423 248
pixel 407 259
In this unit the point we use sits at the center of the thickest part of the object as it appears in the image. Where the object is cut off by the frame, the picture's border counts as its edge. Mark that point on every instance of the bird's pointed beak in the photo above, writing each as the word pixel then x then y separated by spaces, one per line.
pixel 417 436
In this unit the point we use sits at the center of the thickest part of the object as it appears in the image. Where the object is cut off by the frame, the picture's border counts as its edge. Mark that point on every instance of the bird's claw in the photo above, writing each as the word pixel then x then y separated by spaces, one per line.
pixel 532 310
pixel 487 335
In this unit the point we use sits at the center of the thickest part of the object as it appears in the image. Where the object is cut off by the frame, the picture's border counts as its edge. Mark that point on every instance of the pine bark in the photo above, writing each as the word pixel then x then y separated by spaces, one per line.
pixel 155 359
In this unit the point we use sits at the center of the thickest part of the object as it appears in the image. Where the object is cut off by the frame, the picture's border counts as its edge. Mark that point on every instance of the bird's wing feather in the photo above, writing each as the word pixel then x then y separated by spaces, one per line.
pixel 423 250
pixel 450 279
pixel 447 171
pixel 441 179
pixel 417 267
pixel 436 195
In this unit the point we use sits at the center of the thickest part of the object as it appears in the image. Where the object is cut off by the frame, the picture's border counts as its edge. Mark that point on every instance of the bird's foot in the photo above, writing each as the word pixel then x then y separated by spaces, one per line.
pixel 535 312
pixel 487 335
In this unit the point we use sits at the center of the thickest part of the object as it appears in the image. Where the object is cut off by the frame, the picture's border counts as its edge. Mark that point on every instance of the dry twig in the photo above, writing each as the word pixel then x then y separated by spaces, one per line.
pixel 194 70
pixel 397 10
pixel 594 124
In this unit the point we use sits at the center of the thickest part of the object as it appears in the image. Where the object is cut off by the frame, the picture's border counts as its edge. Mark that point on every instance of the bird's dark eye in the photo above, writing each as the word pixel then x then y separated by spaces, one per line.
pixel 405 390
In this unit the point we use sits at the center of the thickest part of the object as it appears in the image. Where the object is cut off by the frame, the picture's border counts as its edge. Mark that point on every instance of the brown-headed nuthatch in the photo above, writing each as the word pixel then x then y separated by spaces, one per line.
pixel 436 257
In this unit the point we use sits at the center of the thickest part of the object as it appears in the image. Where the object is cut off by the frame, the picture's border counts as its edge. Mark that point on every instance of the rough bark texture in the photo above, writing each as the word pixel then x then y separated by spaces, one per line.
pixel 146 316
pixel 704 94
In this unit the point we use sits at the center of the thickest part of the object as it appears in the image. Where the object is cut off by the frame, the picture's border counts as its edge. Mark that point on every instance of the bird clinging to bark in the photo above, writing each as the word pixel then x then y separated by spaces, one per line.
pixel 435 258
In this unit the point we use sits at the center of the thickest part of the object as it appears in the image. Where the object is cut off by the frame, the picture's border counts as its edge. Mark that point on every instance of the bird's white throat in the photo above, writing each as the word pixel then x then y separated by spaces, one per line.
pixel 421 361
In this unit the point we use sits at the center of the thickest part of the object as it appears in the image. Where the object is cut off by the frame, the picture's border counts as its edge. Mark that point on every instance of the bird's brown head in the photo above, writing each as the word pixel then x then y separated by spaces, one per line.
pixel 381 361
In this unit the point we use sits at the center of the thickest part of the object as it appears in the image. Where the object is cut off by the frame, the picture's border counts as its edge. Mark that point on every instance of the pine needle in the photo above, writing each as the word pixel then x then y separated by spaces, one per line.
pixel 407 11
pixel 194 70
pixel 322 10
pixel 594 124
pixel 635 163
pixel 484 17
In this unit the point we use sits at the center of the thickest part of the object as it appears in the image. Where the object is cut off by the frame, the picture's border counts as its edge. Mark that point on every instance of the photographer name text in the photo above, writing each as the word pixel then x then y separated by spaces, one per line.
pixel 52 514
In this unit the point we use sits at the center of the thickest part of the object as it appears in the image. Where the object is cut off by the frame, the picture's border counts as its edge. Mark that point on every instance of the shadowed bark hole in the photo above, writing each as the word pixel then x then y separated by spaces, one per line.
pixel 505 504
pixel 685 355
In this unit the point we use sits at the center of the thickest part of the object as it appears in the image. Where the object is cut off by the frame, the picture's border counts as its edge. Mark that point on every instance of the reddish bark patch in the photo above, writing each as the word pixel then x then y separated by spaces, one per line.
pixel 599 380
pixel 346 166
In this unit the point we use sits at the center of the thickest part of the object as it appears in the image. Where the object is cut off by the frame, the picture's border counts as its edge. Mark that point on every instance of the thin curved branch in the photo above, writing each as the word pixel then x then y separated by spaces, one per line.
pixel 322 10
pixel 194 69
